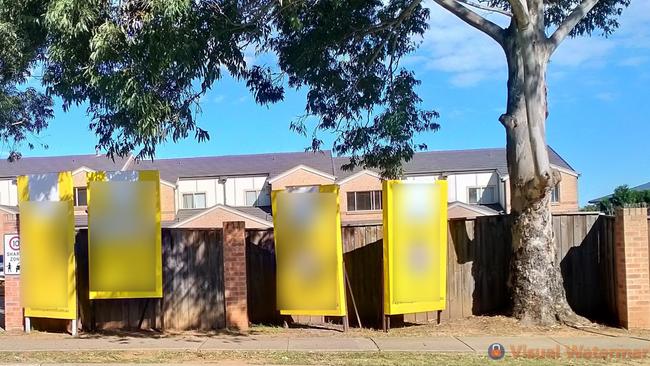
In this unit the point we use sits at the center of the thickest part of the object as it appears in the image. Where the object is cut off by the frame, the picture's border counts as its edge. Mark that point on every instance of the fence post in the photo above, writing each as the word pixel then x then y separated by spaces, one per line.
pixel 632 267
pixel 234 274
pixel 13 309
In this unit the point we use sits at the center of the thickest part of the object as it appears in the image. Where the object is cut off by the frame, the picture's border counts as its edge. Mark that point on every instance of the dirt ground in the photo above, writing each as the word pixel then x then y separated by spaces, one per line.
pixel 471 326
pixel 482 325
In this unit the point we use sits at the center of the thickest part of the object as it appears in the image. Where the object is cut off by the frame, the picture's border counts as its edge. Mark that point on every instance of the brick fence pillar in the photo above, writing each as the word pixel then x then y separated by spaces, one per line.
pixel 632 267
pixel 234 274
pixel 13 310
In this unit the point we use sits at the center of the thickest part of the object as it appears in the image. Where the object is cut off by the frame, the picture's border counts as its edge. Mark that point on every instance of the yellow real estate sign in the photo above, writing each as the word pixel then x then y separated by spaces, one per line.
pixel 124 237
pixel 47 273
pixel 309 253
pixel 415 246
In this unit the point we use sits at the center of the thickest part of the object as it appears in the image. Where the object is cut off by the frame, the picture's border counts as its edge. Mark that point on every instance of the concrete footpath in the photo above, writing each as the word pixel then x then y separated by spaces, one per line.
pixel 447 344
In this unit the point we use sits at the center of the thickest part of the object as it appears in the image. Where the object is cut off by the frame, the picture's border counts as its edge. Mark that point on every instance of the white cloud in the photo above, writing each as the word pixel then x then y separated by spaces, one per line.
pixel 453 47
pixel 219 98
pixel 583 51
pixel 467 79
pixel 634 31
pixel 633 61
pixel 470 57
pixel 605 96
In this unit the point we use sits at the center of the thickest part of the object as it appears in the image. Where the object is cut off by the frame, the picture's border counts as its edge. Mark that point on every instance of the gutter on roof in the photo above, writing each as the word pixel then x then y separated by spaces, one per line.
pixel 128 162
pixel 561 158
pixel 223 176
pixel 489 170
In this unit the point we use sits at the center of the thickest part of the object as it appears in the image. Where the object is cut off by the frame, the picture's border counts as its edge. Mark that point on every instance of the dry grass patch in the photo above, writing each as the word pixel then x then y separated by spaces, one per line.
pixel 471 326
pixel 288 358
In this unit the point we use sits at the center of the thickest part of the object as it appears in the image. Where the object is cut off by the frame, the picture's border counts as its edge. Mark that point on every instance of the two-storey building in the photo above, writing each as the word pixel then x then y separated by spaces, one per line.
pixel 206 191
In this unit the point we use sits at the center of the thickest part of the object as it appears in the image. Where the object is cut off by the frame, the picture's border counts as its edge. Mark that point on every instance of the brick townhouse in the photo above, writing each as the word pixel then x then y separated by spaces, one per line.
pixel 206 191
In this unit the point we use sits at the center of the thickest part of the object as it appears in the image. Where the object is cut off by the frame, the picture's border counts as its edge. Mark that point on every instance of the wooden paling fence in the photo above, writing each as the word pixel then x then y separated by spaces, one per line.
pixel 260 274
pixel 193 289
pixel 478 264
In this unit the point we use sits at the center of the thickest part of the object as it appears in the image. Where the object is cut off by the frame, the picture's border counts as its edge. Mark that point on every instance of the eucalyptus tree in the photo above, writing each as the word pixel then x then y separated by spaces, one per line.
pixel 24 110
pixel 141 67
pixel 341 49
pixel 536 28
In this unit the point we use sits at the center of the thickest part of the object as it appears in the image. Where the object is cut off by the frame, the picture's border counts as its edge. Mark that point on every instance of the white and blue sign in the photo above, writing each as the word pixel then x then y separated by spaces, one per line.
pixel 12 254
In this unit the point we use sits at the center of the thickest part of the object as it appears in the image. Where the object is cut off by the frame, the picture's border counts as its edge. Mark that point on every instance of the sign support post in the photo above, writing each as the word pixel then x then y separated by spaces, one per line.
pixel 414 248
pixel 354 303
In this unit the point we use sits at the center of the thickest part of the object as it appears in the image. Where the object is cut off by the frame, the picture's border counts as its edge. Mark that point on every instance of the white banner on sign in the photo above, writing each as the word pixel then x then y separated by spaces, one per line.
pixel 12 254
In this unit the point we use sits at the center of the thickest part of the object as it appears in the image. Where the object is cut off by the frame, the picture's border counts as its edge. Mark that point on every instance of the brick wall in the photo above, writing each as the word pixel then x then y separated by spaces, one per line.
pixel 216 217
pixel 364 182
pixel 300 177
pixel 632 267
pixel 167 198
pixel 13 310
pixel 568 195
pixel 167 202
pixel 79 180
pixel 234 274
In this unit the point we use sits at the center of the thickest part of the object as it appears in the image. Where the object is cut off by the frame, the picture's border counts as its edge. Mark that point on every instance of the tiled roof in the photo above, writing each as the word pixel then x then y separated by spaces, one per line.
pixel 485 209
pixel 54 164
pixel 455 160
pixel 642 187
pixel 216 166
pixel 186 213
pixel 270 164
pixel 9 209
pixel 262 213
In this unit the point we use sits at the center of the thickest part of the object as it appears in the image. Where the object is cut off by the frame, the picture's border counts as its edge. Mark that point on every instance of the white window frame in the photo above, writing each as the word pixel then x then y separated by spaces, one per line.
pixel 258 193
pixel 76 196
pixel 373 201
pixel 556 196
pixel 194 194
pixel 480 200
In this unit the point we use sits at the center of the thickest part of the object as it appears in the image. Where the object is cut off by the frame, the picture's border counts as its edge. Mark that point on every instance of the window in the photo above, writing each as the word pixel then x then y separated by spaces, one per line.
pixel 302 189
pixel 482 195
pixel 193 200
pixel 252 197
pixel 80 196
pixel 364 201
pixel 555 194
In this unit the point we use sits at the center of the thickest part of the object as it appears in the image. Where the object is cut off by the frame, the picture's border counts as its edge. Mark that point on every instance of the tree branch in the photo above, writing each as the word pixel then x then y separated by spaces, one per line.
pixel 485 7
pixel 468 16
pixel 520 12
pixel 570 23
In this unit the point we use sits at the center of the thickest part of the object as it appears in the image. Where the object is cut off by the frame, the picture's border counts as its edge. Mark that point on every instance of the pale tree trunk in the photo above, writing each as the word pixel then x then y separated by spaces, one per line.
pixel 535 279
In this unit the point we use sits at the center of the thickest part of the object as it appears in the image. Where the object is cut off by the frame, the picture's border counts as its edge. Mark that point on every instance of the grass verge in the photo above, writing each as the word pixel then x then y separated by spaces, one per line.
pixel 291 358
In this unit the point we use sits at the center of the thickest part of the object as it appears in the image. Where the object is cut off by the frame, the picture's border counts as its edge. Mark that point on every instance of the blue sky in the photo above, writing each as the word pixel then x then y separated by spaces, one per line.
pixel 599 91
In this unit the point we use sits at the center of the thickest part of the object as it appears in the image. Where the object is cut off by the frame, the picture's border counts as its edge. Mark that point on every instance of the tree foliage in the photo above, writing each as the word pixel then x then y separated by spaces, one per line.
pixel 142 65
pixel 624 196
pixel 602 18
pixel 347 53
pixel 24 111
